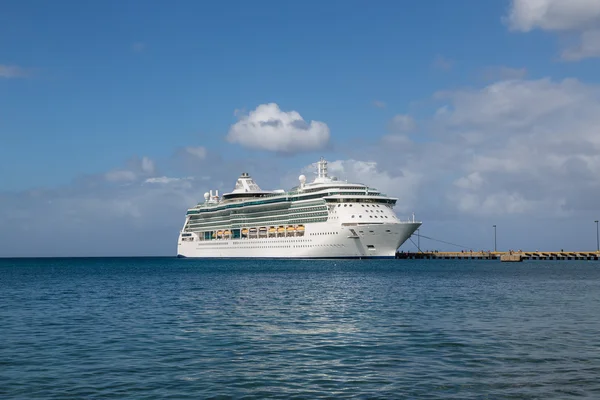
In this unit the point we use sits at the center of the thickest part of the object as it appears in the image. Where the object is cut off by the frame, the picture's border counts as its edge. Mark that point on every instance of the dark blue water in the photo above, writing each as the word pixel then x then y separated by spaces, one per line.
pixel 169 328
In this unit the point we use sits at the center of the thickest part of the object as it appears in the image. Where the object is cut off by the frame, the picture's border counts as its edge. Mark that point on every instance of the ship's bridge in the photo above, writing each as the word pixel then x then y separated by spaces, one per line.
pixel 246 187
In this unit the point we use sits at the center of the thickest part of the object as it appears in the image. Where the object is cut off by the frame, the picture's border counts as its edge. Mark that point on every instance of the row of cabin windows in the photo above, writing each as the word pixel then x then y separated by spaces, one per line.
pixel 286 212
pixel 290 246
pixel 253 239
pixel 371 216
pixel 262 221
pixel 363 205
pixel 224 225
pixel 273 201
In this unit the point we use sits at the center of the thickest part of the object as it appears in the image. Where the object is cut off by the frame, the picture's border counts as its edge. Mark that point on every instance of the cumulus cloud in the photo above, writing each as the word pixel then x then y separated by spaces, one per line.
pixel 526 146
pixel 135 170
pixel 402 123
pixel 518 151
pixel 554 15
pixel 142 218
pixel 165 180
pixel 120 175
pixel 13 71
pixel 401 184
pixel 199 152
pixel 496 73
pixel 269 128
pixel 132 210
pixel 516 147
pixel 577 17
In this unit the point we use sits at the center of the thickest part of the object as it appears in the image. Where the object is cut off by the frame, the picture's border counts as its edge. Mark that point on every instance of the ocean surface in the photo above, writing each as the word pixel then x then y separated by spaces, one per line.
pixel 158 328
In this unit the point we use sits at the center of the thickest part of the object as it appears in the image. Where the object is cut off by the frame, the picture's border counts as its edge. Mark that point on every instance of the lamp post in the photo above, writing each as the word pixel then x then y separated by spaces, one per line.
pixel 597 242
pixel 494 238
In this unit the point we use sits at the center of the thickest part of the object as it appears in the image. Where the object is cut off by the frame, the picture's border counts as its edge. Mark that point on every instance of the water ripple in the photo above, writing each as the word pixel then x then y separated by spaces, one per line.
pixel 165 328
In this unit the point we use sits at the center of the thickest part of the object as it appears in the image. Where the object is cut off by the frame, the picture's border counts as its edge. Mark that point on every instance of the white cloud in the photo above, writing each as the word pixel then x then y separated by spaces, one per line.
pixel 137 169
pixel 537 149
pixel 579 17
pixel 147 165
pixel 269 128
pixel 402 123
pixel 472 181
pixel 199 152
pixel 126 210
pixel 528 148
pixel 514 103
pixel 379 104
pixel 396 139
pixel 589 46
pixel 402 184
pixel 554 15
pixel 120 176
pixel 165 180
pixel 13 71
pixel 517 149
pixel 496 73
pixel 141 218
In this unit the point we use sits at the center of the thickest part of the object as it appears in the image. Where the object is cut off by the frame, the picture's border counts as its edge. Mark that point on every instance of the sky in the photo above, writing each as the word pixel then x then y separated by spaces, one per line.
pixel 117 116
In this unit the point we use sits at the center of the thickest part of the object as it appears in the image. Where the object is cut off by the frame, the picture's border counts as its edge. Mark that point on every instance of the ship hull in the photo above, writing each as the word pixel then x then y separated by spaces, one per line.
pixel 320 241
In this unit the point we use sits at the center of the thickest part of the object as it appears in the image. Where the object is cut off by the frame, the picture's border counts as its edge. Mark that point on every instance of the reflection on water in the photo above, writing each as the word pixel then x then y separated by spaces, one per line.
pixel 278 329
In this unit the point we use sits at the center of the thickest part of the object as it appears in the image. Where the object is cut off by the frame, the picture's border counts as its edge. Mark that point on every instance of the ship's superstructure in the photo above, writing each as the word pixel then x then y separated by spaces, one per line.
pixel 326 218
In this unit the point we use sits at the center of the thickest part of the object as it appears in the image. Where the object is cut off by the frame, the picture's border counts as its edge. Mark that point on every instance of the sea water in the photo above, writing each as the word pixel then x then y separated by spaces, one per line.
pixel 198 329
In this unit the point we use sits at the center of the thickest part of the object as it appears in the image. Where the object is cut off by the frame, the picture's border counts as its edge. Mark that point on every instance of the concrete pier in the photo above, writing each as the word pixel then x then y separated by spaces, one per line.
pixel 507 256
pixel 511 258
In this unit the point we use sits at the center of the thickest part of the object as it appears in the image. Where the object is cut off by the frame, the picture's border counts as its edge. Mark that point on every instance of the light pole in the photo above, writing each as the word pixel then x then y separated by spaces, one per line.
pixel 597 242
pixel 494 238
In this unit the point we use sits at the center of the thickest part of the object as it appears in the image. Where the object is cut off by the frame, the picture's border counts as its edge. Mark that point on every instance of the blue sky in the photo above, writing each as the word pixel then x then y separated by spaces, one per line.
pixel 90 91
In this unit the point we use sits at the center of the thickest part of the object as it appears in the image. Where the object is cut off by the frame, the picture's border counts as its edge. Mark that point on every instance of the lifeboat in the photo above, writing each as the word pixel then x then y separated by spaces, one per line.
pixel 245 231
pixel 253 231
pixel 219 234
pixel 291 228
pixel 272 229
pixel 262 229
pixel 281 229
pixel 227 232
pixel 300 228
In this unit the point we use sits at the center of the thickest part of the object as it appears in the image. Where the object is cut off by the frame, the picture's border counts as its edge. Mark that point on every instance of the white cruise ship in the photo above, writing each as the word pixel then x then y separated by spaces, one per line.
pixel 326 218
